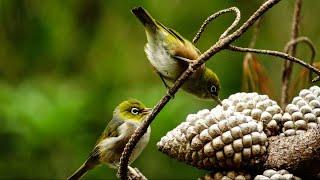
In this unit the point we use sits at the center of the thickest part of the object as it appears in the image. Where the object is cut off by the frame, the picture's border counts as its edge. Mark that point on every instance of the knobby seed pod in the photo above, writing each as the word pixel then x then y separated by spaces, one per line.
pixel 216 138
pixel 227 175
pixel 276 175
pixel 260 107
pixel 302 113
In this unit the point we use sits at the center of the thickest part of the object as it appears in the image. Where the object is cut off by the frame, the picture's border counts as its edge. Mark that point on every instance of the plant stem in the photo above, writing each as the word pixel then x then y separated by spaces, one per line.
pixel 287 67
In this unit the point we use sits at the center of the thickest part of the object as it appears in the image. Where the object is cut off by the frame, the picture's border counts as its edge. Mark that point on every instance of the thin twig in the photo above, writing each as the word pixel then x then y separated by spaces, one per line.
pixel 246 85
pixel 218 46
pixel 214 16
pixel 311 46
pixel 255 33
pixel 287 69
pixel 304 40
pixel 277 54
pixel 299 40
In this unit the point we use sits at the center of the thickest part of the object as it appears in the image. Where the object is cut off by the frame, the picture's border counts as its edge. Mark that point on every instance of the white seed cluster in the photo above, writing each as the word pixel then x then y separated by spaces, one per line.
pixel 275 175
pixel 302 113
pixel 227 175
pixel 260 107
pixel 216 138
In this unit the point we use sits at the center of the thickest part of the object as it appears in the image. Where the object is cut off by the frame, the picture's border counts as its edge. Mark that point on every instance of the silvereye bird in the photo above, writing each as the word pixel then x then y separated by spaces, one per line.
pixel 127 117
pixel 170 54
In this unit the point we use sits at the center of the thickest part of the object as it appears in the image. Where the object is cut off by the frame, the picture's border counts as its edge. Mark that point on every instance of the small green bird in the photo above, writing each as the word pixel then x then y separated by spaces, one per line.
pixel 170 54
pixel 127 117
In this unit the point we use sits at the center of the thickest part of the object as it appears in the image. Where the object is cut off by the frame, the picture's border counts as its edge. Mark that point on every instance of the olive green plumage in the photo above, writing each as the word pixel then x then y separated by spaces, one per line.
pixel 170 54
pixel 127 117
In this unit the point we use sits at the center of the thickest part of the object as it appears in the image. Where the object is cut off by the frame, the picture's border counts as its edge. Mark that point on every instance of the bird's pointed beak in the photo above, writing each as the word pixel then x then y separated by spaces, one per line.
pixel 217 99
pixel 147 110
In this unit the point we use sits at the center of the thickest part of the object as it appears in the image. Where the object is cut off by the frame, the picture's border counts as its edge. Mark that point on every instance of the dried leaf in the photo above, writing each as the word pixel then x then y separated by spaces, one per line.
pixel 255 77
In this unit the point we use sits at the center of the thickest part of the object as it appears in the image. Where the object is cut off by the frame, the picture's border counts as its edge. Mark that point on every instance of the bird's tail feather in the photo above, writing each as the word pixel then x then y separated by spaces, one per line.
pixel 84 168
pixel 145 18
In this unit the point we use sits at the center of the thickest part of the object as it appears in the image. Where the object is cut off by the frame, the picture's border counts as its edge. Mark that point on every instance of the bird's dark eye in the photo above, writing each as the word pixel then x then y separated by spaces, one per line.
pixel 134 111
pixel 213 89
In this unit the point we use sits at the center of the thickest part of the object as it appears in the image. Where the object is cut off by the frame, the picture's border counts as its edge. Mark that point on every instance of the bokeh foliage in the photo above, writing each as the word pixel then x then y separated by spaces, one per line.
pixel 64 66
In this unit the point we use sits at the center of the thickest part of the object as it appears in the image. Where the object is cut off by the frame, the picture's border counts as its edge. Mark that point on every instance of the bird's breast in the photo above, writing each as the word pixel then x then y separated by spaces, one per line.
pixel 111 148
pixel 162 61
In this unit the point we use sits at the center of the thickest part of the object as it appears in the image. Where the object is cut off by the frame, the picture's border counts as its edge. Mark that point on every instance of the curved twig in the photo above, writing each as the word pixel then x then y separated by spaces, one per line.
pixel 218 46
pixel 300 40
pixel 309 43
pixel 287 66
pixel 214 16
pixel 277 54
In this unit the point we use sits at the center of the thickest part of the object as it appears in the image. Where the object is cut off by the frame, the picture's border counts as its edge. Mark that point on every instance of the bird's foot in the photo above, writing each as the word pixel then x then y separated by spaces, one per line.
pixel 169 94
pixel 190 67
pixel 135 174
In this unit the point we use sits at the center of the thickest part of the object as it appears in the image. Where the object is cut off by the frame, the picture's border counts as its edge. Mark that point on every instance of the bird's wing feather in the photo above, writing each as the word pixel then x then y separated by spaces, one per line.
pixel 172 32
pixel 177 35
pixel 112 129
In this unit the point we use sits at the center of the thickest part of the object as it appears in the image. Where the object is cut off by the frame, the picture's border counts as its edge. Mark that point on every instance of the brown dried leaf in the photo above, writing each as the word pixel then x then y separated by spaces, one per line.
pixel 255 77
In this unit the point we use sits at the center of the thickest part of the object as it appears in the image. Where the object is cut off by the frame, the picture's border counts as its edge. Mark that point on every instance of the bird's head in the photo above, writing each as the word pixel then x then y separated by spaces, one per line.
pixel 132 110
pixel 212 83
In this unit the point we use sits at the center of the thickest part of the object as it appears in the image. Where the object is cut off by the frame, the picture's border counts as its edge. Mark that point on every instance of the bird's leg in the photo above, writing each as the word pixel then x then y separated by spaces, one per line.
pixel 166 85
pixel 135 174
pixel 163 81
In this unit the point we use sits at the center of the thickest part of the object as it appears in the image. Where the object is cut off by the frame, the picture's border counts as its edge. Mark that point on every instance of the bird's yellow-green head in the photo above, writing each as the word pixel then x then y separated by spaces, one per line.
pixel 131 110
pixel 212 83
pixel 206 86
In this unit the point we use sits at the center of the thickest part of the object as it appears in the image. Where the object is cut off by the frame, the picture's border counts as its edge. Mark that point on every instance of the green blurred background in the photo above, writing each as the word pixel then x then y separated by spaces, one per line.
pixel 64 66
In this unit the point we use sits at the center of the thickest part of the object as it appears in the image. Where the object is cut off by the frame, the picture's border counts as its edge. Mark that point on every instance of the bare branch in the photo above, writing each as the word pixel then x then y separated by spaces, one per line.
pixel 287 68
pixel 277 54
pixel 214 16
pixel 218 46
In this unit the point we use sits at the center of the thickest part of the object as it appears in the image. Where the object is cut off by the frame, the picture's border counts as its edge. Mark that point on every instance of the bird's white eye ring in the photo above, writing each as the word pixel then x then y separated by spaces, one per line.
pixel 213 89
pixel 134 111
